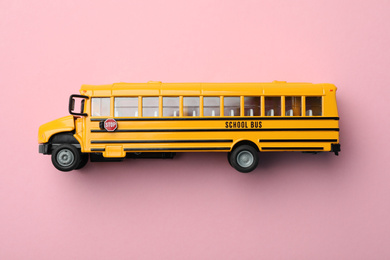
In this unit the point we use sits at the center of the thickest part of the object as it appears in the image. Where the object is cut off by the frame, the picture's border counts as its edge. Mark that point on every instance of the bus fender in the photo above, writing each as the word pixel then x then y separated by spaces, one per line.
pixel 63 124
pixel 245 142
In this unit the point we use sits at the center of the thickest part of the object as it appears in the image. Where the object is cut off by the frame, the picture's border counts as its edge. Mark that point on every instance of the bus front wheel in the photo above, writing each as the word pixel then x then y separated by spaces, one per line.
pixel 83 160
pixel 244 158
pixel 66 157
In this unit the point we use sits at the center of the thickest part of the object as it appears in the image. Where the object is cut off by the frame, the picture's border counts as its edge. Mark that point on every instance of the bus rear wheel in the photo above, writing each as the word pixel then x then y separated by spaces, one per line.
pixel 66 157
pixel 244 158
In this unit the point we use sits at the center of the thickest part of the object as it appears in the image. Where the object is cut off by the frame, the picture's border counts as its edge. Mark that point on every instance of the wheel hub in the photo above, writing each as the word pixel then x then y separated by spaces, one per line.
pixel 65 157
pixel 245 159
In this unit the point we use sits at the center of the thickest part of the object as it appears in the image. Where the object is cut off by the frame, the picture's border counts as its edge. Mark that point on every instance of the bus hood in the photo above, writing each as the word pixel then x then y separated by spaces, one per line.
pixel 63 124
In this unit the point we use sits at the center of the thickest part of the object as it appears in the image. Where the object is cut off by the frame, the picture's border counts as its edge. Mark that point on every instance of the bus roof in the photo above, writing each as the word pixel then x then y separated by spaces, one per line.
pixel 156 88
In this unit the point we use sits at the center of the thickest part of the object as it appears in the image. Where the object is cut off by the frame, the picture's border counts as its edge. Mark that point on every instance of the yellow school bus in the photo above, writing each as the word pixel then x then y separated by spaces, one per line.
pixel 155 119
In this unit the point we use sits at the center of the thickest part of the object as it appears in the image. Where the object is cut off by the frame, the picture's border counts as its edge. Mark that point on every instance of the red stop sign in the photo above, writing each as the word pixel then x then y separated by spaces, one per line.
pixel 110 124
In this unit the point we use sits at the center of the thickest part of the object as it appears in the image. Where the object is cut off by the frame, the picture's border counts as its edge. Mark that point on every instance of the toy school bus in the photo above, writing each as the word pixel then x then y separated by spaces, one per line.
pixel 139 120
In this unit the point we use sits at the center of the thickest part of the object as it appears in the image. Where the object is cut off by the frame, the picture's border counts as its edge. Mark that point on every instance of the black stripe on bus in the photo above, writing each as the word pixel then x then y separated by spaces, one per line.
pixel 237 118
pixel 160 141
pixel 292 148
pixel 178 149
pixel 296 140
pixel 215 130
pixel 97 149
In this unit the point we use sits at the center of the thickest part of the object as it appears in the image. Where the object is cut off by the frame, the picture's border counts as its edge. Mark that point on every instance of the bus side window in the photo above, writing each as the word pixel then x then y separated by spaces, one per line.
pixel 171 106
pixel 231 106
pixel 313 106
pixel 252 106
pixel 126 106
pixel 150 106
pixel 272 106
pixel 100 107
pixel 190 106
pixel 293 106
pixel 211 106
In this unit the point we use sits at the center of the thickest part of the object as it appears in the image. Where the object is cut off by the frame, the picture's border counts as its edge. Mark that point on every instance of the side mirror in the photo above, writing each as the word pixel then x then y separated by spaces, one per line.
pixel 72 103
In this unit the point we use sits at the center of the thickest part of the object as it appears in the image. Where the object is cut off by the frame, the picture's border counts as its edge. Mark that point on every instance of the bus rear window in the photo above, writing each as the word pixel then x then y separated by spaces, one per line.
pixel 313 106
pixel 100 107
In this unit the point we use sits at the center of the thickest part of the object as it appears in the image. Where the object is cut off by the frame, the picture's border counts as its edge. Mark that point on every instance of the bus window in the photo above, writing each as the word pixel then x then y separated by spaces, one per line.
pixel 293 106
pixel 231 106
pixel 313 106
pixel 211 106
pixel 150 106
pixel 272 106
pixel 100 107
pixel 171 106
pixel 126 106
pixel 191 106
pixel 252 106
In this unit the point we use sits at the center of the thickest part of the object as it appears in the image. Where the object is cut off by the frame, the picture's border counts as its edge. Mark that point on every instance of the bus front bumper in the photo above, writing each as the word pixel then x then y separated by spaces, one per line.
pixel 44 148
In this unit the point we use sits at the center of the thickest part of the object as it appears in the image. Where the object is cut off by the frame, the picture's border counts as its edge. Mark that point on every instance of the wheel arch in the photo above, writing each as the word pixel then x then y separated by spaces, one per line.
pixel 245 142
pixel 63 138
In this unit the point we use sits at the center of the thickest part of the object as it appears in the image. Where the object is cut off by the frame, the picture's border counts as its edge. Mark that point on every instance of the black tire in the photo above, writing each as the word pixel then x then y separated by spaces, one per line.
pixel 66 157
pixel 228 157
pixel 244 158
pixel 83 161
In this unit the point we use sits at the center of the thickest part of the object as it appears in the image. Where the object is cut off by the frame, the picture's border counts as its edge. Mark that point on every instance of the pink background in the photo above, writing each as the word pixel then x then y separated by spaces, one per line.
pixel 294 206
